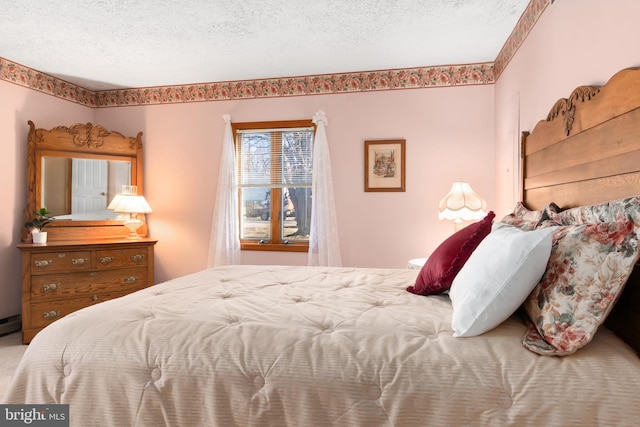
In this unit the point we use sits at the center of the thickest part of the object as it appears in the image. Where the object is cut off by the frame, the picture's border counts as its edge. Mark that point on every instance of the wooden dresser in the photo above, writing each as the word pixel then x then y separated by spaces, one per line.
pixel 61 277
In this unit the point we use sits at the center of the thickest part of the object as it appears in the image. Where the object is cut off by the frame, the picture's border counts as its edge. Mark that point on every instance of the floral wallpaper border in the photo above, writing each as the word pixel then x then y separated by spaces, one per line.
pixel 409 78
pixel 28 77
pixel 529 17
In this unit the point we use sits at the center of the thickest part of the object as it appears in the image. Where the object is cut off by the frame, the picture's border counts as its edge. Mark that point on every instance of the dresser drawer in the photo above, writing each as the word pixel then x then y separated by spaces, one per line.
pixel 69 285
pixel 122 258
pixel 46 312
pixel 49 262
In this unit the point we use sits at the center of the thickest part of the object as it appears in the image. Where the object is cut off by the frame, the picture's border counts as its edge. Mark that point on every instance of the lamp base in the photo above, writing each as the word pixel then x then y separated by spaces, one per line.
pixel 133 224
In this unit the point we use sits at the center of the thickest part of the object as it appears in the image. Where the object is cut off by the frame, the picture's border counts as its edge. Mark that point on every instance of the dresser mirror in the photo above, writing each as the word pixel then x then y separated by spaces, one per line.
pixel 79 188
pixel 75 172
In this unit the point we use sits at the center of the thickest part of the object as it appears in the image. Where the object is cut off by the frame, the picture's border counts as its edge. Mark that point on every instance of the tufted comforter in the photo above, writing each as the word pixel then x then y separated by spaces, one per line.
pixel 311 346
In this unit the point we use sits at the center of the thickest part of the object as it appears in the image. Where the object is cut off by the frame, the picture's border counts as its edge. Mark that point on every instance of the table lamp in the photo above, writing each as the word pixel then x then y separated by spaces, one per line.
pixel 128 202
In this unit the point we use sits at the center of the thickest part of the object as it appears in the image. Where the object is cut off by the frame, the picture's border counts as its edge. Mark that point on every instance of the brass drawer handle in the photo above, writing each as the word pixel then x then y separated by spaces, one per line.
pixel 51 314
pixel 43 262
pixel 50 287
pixel 130 279
pixel 137 257
pixel 79 261
pixel 106 259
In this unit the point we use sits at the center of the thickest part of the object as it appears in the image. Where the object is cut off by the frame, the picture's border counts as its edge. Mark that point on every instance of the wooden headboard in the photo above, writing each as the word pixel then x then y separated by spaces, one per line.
pixel 587 151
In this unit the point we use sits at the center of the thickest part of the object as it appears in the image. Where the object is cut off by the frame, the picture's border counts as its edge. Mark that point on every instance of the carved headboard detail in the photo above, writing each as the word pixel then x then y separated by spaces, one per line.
pixel 567 106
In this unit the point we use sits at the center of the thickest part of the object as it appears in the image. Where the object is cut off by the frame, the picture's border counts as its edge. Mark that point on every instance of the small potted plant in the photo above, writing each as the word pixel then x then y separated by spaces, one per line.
pixel 41 219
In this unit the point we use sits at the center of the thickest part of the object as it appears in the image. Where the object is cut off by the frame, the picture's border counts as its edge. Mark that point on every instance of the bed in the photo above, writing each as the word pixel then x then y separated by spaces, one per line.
pixel 302 346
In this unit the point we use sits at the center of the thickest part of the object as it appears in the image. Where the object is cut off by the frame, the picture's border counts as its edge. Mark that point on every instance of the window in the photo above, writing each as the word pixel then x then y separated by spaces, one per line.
pixel 275 163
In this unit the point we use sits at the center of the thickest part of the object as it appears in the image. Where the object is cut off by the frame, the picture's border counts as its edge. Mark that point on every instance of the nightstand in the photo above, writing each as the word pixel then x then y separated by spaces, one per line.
pixel 416 263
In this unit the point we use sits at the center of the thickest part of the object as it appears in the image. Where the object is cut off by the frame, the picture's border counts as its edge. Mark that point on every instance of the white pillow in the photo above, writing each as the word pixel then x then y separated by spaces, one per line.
pixel 498 277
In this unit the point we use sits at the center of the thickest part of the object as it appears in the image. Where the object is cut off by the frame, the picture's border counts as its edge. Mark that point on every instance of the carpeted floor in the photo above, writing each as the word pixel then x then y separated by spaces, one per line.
pixel 11 351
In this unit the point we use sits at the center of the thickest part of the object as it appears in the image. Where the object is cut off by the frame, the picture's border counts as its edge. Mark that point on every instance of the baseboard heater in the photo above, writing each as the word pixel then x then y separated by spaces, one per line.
pixel 9 325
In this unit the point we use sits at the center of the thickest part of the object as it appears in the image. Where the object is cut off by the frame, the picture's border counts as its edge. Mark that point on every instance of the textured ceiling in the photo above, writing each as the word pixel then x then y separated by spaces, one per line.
pixel 110 44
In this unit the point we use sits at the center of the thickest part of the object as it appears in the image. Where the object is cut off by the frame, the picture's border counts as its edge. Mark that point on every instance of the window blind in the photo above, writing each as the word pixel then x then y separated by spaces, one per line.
pixel 275 157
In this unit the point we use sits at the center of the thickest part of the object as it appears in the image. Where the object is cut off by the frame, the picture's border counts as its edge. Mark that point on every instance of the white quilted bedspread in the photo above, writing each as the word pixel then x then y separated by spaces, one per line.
pixel 312 346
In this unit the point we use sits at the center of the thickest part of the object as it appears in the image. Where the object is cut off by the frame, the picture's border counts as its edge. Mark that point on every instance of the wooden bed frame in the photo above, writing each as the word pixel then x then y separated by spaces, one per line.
pixel 587 151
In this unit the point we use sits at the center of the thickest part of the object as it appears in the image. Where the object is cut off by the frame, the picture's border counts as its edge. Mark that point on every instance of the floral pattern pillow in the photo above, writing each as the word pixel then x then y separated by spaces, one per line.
pixel 526 219
pixel 587 270
pixel 615 210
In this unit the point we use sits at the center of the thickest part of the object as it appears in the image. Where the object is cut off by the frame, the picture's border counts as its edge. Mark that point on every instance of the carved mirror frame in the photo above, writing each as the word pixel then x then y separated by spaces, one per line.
pixel 86 141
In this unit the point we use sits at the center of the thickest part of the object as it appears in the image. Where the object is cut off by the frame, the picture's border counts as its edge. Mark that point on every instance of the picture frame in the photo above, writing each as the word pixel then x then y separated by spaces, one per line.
pixel 384 165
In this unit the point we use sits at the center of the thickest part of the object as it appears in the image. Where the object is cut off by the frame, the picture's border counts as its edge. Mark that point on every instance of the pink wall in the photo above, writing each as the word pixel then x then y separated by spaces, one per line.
pixel 574 43
pixel 449 133
pixel 17 105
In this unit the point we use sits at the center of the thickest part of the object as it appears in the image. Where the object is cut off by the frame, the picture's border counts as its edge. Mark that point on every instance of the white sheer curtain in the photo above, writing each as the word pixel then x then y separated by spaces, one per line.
pixel 324 246
pixel 224 245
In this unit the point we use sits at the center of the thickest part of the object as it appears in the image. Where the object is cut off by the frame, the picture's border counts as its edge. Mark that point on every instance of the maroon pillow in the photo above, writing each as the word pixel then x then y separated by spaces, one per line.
pixel 446 261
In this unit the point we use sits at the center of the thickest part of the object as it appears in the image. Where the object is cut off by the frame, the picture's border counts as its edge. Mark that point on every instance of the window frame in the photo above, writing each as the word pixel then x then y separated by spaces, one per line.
pixel 276 243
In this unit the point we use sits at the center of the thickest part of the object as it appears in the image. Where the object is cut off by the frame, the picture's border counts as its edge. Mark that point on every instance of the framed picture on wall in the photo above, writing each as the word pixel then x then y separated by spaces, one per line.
pixel 384 165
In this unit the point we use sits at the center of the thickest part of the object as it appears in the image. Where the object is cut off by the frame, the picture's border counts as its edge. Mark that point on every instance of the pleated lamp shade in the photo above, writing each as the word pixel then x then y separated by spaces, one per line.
pixel 462 204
